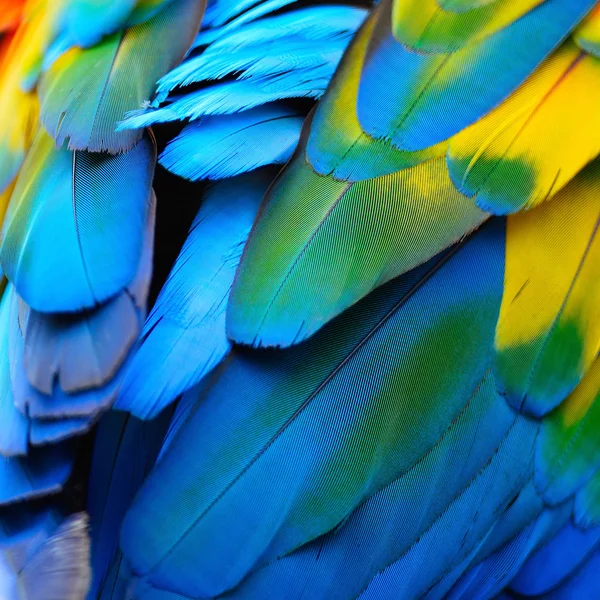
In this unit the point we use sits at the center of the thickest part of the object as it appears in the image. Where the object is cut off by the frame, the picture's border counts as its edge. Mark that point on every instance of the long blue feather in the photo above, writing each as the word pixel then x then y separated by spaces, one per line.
pixel 184 335
pixel 235 96
pixel 329 427
pixel 320 22
pixel 125 449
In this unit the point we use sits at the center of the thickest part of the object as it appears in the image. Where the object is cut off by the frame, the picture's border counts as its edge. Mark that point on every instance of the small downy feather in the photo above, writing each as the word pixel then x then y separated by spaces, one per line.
pixel 184 335
pixel 87 91
pixel 215 148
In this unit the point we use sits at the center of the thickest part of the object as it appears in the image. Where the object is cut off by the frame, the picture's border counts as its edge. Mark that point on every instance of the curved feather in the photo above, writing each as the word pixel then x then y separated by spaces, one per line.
pixel 526 150
pixel 558 559
pixel 548 333
pixel 214 148
pixel 325 404
pixel 87 92
pixel 184 335
pixel 568 452
pixel 68 221
pixel 444 91
pixel 355 236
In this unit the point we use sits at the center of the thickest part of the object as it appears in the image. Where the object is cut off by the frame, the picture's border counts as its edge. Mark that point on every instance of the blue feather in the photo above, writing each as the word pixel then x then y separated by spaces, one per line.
pixel 218 147
pixel 236 96
pixel 43 471
pixel 329 415
pixel 184 336
pixel 70 238
pixel 125 449
pixel 259 9
pixel 490 576
pixel 557 560
pixel 260 60
pixel 320 22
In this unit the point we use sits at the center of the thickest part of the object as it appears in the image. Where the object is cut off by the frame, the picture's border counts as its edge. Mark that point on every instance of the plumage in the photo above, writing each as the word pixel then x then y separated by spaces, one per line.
pixel 306 419
pixel 215 148
pixel 372 370
pixel 87 91
pixel 74 201
pixel 184 335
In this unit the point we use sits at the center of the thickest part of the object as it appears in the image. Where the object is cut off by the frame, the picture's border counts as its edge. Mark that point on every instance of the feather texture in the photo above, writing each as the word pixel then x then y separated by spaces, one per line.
pixel 72 202
pixel 324 404
pixel 184 336
pixel 87 91
pixel 214 148
pixel 548 333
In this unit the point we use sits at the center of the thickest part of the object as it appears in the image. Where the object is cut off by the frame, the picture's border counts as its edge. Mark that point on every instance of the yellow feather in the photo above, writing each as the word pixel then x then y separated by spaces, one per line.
pixel 535 142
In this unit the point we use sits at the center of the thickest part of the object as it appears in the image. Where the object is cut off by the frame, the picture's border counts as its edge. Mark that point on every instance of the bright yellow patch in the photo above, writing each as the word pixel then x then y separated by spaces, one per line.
pixel 549 125
pixel 553 267
pixel 577 404
pixel 425 26
pixel 587 35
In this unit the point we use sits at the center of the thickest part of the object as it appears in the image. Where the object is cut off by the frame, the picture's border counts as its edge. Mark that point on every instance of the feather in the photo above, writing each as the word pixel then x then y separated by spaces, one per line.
pixel 548 334
pixel 83 400
pixel 319 22
pixel 68 222
pixel 214 148
pixel 87 91
pixel 313 228
pixel 184 336
pixel 568 453
pixel 337 145
pixel 444 90
pixel 60 568
pixel 587 35
pixel 124 451
pixel 325 404
pixel 562 556
pixel 260 9
pixel 16 132
pixel 586 511
pixel 42 472
pixel 490 576
pixel 235 96
pixel 528 149
pixel 262 60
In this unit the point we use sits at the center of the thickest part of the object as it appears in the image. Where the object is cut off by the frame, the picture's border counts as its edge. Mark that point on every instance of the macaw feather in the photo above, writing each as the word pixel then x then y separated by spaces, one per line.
pixel 548 333
pixel 86 92
pixel 72 202
pixel 315 396
pixel 184 335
